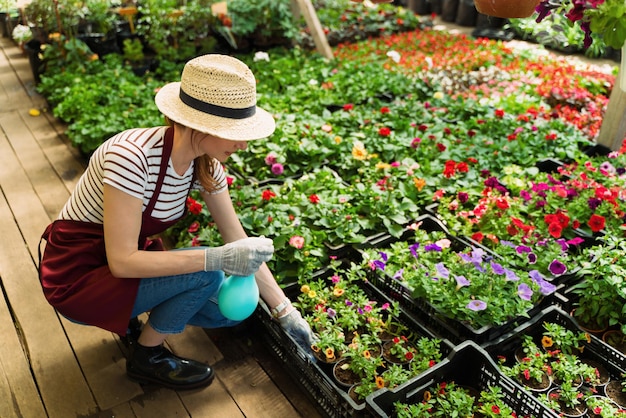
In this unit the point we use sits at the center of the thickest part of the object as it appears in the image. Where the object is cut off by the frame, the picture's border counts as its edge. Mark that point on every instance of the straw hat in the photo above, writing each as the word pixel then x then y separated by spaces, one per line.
pixel 217 96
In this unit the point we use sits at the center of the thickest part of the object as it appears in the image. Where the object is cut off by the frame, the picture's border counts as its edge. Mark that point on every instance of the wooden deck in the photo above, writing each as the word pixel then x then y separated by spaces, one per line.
pixel 50 367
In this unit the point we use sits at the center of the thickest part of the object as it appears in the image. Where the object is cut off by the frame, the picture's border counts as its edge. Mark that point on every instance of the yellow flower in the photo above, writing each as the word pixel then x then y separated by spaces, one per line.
pixel 312 294
pixel 438 95
pixel 382 166
pixel 337 140
pixel 305 288
pixel 358 151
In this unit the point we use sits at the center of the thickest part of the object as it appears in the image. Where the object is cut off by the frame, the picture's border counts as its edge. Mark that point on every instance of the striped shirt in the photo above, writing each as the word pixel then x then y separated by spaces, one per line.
pixel 130 162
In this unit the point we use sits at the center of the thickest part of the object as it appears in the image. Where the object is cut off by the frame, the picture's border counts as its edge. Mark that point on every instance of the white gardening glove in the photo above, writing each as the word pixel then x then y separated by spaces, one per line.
pixel 239 258
pixel 294 325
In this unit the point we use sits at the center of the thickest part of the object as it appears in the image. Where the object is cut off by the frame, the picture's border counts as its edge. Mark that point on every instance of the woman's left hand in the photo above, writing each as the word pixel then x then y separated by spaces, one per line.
pixel 299 329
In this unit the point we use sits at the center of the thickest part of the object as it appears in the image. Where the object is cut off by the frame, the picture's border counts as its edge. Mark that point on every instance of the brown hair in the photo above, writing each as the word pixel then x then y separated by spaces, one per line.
pixel 203 167
pixel 204 171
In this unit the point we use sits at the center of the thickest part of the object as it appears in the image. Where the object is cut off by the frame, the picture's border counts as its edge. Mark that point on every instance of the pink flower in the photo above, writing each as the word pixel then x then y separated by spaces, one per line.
pixel 270 159
pixel 297 242
pixel 277 169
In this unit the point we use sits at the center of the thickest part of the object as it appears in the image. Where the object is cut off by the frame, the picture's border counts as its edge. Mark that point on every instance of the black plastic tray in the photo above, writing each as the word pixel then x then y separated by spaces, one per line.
pixel 468 365
pixel 317 380
pixel 596 349
pixel 454 330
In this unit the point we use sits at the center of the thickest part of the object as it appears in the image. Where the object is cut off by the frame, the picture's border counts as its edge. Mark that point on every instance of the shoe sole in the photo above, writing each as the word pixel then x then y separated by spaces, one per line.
pixel 143 380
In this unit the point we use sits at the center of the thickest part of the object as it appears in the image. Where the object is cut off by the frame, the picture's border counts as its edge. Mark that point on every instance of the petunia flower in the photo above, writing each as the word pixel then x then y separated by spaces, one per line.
pixel 477 305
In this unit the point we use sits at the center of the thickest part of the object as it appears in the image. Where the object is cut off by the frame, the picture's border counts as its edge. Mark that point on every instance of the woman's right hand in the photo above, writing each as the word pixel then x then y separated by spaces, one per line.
pixel 239 258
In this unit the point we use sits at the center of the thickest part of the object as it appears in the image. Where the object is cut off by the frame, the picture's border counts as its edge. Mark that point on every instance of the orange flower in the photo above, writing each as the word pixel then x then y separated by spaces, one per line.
pixel 427 396
pixel 546 342
pixel 367 354
pixel 330 353
pixel 380 382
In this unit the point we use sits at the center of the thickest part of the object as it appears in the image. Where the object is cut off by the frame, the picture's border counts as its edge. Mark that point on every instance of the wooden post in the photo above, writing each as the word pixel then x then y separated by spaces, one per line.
pixel 312 21
pixel 613 127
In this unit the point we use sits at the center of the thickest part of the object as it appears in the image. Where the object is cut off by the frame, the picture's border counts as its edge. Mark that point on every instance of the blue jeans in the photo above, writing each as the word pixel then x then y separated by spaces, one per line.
pixel 184 299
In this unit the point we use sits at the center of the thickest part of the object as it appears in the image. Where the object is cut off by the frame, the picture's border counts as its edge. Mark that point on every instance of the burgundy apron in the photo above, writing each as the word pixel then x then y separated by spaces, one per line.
pixel 74 272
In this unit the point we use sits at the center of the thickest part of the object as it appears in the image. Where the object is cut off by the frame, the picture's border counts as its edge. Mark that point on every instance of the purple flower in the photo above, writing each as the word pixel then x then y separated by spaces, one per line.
pixel 477 305
pixel 331 313
pixel 525 195
pixel 383 255
pixel 563 243
pixel 398 275
pixel 507 243
pixel 557 268
pixel 607 167
pixel 461 281
pixel 348 302
pixel 413 248
pixel 594 202
pixel 520 249
pixel 532 258
pixel 442 270
pixel 535 276
pixel 546 288
pixel 277 169
pixel 463 197
pixel 379 264
pixel 524 291
pixel 432 247
pixel 510 275
pixel 497 268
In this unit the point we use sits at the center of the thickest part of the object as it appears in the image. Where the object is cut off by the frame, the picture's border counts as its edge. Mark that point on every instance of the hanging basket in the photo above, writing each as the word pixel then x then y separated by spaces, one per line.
pixel 506 8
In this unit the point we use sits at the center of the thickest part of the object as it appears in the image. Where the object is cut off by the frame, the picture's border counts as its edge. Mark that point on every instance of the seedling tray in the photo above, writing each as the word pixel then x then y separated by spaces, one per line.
pixel 456 331
pixel 467 365
pixel 315 378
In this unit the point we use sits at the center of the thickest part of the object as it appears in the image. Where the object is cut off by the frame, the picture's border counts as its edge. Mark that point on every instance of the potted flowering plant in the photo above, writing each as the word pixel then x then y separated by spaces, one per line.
pixel 601 294
pixel 565 399
pixel 603 407
pixel 604 17
pixel 466 285
pixel 445 399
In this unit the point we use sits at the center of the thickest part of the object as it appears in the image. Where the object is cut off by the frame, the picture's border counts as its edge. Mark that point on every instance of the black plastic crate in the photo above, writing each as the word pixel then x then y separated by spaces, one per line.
pixel 452 329
pixel 315 378
pixel 468 365
pixel 596 349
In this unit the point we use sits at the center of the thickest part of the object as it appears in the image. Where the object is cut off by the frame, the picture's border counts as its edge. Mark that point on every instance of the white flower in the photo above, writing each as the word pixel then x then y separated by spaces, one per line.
pixel 394 55
pixel 21 33
pixel 313 82
pixel 261 56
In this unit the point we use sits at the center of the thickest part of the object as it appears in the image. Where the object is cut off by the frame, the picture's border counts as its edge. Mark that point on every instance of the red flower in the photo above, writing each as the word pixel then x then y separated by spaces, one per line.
pixel 596 222
pixel 462 167
pixel 384 131
pixel 193 227
pixel 441 147
pixel 314 199
pixel 347 107
pixel 194 207
pixel 499 113
pixel 555 229
pixel 384 109
pixel 267 194
pixel 495 409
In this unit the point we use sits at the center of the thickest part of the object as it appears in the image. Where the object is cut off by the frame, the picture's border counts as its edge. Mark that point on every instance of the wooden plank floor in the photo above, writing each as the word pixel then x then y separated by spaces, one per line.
pixel 50 367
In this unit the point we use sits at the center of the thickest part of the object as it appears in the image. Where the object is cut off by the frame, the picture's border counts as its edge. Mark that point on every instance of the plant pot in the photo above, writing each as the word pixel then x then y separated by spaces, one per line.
pixel 343 375
pixel 436 6
pixel 603 373
pixel 506 8
pixel 534 386
pixel 613 391
pixel 448 10
pixel 466 13
pixel 32 49
pixel 616 339
pixel 590 410
pixel 420 7
pixel 567 411
pixel 392 358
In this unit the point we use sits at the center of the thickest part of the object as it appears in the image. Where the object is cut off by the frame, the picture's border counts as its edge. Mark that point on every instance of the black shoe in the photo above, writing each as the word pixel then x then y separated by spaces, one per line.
pixel 132 333
pixel 160 366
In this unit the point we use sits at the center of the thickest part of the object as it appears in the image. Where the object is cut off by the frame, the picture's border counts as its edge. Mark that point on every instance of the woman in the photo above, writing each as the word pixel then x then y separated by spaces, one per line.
pixel 100 266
